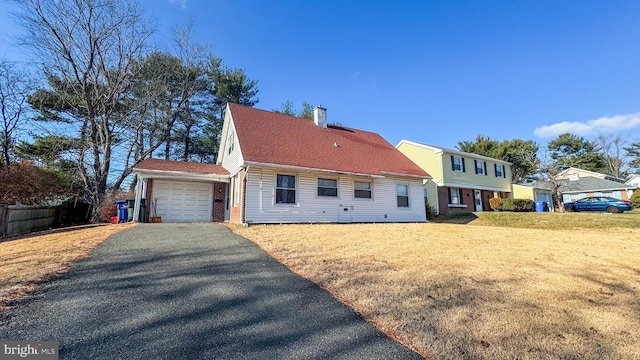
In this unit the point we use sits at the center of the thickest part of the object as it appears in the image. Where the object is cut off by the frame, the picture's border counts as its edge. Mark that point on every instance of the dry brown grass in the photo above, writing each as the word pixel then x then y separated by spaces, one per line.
pixel 477 292
pixel 30 260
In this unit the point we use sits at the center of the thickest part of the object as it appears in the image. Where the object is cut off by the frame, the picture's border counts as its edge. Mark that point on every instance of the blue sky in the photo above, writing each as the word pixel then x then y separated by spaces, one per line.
pixel 436 72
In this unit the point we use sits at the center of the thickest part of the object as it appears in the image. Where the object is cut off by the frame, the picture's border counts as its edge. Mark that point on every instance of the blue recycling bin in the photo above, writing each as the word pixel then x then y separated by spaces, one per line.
pixel 540 206
pixel 123 211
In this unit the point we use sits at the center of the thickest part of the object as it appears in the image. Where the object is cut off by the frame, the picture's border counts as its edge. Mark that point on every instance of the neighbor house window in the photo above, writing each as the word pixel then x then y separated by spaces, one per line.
pixel 231 143
pixel 425 192
pixel 481 167
pixel 455 196
pixel 327 187
pixel 499 170
pixel 362 189
pixel 402 194
pixel 285 189
pixel 457 163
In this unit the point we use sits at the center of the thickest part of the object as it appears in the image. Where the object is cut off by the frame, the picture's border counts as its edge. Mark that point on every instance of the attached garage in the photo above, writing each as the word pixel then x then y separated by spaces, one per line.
pixel 182 201
pixel 177 191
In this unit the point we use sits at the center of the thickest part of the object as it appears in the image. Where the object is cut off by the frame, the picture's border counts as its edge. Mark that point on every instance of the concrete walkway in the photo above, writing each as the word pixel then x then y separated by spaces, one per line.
pixel 191 291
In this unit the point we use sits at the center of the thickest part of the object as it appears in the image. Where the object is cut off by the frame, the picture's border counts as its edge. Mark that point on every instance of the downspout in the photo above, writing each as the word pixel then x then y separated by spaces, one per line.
pixel 437 200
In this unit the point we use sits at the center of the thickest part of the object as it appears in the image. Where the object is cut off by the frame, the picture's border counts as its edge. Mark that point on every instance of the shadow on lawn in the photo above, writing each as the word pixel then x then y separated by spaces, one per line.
pixel 460 218
pixel 170 291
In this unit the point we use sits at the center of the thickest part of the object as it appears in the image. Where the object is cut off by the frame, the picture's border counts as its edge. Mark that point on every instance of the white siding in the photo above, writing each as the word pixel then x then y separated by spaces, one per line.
pixel 261 207
pixel 231 161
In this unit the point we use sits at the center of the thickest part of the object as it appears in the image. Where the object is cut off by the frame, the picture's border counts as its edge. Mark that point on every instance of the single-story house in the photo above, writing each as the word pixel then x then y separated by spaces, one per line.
pixel 276 168
pixel 577 188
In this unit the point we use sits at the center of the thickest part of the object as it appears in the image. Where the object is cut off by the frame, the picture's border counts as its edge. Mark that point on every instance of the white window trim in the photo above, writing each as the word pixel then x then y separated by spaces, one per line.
pixel 231 141
pixel 460 195
pixel 296 189
pixel 361 198
pixel 236 190
pixel 408 196
pixel 482 170
pixel 455 157
pixel 327 196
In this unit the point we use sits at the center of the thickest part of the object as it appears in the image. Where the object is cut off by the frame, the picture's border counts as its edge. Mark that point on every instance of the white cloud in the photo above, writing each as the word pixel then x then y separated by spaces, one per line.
pixel 607 124
pixel 183 3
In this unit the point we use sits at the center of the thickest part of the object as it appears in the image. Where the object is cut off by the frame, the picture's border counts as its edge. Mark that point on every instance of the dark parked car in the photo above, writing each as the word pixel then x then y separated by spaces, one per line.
pixel 600 203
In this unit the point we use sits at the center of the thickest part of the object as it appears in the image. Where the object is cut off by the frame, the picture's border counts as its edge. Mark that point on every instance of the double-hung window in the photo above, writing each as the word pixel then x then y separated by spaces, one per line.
pixel 455 196
pixel 499 170
pixel 231 142
pixel 327 187
pixel 402 194
pixel 481 167
pixel 285 189
pixel 457 163
pixel 362 189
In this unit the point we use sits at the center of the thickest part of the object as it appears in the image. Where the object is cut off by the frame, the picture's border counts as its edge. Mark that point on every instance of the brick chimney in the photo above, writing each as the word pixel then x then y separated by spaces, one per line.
pixel 320 116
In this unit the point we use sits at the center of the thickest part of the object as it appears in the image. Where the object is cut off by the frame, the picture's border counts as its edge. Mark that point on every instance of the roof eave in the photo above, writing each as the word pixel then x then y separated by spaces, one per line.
pixel 302 168
pixel 198 175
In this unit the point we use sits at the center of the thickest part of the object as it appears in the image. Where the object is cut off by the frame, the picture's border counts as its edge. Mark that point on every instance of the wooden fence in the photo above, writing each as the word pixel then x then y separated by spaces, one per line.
pixel 25 219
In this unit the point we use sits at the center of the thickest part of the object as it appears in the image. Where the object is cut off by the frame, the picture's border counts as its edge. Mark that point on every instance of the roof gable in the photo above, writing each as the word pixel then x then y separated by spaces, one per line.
pixel 272 138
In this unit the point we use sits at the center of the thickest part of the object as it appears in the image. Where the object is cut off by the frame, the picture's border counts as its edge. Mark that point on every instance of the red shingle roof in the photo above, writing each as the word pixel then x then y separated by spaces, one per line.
pixel 268 137
pixel 170 165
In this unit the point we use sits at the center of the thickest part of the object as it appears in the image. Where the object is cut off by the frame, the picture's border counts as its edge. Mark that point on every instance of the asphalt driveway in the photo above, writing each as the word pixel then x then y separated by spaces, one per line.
pixel 191 291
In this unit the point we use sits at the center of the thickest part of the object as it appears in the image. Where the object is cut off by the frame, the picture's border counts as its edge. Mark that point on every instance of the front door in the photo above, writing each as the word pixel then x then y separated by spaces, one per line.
pixel 478 200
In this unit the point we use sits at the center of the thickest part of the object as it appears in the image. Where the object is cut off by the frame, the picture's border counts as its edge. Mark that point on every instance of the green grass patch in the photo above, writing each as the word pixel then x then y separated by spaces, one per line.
pixel 533 220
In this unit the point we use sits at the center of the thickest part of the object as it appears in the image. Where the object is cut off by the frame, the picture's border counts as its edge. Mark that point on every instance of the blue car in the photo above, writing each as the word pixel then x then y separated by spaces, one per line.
pixel 599 203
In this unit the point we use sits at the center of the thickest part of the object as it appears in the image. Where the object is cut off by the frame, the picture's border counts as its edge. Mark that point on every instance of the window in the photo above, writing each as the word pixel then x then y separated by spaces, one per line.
pixel 285 189
pixel 499 170
pixel 457 163
pixel 425 192
pixel 481 167
pixel 231 143
pixel 455 196
pixel 362 189
pixel 327 187
pixel 402 194
pixel 236 191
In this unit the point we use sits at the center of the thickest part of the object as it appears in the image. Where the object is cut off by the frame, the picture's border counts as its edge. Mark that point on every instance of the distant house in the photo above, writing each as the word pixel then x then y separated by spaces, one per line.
pixel 275 168
pixel 574 173
pixel 577 187
pixel 461 182
pixel 633 180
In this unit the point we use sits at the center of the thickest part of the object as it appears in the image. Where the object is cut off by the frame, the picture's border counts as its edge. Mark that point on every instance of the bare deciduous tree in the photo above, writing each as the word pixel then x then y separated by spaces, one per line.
pixel 88 48
pixel 15 88
pixel 612 149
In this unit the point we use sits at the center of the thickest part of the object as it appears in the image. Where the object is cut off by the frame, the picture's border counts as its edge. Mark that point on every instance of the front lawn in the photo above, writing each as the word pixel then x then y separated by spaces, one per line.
pixel 557 220
pixel 486 292
pixel 28 260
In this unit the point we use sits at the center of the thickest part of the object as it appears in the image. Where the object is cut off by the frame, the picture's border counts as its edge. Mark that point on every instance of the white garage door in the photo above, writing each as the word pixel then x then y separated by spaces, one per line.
pixel 182 201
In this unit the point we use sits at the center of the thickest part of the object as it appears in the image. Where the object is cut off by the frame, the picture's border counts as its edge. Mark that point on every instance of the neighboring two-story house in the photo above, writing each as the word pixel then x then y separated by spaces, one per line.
pixel 461 182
